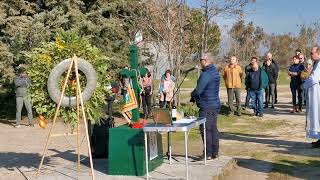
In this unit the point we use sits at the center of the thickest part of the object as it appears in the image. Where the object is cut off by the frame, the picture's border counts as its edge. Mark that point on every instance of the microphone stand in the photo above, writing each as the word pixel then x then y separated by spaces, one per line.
pixel 168 135
pixel 178 88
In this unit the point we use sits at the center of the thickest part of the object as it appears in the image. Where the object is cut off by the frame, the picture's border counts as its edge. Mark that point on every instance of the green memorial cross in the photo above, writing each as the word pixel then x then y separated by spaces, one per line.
pixel 133 73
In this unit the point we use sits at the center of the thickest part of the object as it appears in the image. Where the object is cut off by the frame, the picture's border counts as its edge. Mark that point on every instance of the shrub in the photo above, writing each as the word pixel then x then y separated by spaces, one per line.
pixel 189 110
pixel 41 60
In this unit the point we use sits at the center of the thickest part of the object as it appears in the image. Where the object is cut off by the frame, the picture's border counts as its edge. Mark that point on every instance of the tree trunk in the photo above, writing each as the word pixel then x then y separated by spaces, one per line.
pixel 180 49
pixel 205 28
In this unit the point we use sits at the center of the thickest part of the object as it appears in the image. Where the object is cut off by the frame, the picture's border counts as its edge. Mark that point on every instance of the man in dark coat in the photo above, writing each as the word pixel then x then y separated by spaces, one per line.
pixel 270 90
pixel 206 95
pixel 277 68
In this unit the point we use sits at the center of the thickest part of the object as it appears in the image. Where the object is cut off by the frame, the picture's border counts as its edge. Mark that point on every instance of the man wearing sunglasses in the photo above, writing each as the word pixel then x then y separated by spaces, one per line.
pixel 313 108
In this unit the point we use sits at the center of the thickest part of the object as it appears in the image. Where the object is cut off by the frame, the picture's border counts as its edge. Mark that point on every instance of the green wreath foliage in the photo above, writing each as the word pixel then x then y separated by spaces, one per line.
pixel 40 62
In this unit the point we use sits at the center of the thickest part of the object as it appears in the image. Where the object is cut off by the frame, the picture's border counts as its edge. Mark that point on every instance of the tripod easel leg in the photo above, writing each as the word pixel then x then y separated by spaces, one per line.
pixel 78 128
pixel 55 116
pixel 84 118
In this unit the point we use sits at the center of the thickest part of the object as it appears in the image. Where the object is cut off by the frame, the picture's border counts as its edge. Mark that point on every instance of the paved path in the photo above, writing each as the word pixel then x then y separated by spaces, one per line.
pixel 21 150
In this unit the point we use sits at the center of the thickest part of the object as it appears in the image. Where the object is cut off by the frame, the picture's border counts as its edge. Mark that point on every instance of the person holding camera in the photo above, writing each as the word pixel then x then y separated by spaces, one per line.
pixel 206 95
pixel 146 95
pixel 22 82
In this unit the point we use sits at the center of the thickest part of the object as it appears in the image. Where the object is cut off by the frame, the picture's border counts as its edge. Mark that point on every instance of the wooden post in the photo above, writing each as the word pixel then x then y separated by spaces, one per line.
pixel 78 123
pixel 84 117
pixel 55 116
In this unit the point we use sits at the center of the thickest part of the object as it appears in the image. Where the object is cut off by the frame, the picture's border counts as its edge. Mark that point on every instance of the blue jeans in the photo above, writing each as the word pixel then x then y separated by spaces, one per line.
pixel 257 100
pixel 296 93
pixel 305 91
pixel 212 133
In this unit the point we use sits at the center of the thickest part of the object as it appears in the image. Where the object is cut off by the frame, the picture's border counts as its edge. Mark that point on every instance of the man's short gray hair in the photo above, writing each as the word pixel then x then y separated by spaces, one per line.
pixel 206 56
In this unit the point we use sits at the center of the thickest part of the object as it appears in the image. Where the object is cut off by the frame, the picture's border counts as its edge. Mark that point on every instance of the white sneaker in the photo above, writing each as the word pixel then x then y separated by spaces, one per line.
pixel 17 126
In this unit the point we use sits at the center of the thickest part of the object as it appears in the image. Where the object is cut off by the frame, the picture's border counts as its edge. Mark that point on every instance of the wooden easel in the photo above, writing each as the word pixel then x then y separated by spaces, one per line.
pixel 79 100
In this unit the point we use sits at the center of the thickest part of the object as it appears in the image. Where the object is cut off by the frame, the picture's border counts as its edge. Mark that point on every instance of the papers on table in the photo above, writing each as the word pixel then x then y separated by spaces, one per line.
pixel 185 120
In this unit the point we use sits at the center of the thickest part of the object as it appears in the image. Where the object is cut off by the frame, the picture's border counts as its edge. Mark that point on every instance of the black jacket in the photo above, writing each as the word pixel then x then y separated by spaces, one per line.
pixel 272 73
pixel 276 67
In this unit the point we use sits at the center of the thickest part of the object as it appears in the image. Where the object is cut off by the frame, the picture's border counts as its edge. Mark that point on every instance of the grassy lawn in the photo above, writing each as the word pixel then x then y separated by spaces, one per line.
pixel 283 79
pixel 287 167
pixel 250 137
pixel 259 142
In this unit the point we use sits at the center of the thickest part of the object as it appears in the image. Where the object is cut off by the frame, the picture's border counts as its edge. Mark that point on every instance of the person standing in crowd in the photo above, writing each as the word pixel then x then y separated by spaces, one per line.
pixel 272 76
pixel 256 81
pixel 22 82
pixel 276 66
pixel 247 69
pixel 304 75
pixel 313 107
pixel 206 95
pixel 298 52
pixel 167 86
pixel 232 75
pixel 146 94
pixel 295 84
pixel 301 59
pixel 302 64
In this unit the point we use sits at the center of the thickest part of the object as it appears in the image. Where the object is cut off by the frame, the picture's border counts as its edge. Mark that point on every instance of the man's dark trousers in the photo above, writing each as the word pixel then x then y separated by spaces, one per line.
pixel 212 133
pixel 276 93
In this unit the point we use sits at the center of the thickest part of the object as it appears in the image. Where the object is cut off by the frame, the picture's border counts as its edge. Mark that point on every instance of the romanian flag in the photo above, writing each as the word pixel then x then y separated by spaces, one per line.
pixel 42 122
pixel 130 103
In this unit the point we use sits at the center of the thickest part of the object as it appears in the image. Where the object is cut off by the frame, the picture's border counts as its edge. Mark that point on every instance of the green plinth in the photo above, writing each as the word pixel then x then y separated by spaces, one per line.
pixel 127 152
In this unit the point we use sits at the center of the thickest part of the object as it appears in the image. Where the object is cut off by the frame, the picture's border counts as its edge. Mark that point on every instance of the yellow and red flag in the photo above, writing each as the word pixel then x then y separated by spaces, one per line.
pixel 130 103
pixel 42 122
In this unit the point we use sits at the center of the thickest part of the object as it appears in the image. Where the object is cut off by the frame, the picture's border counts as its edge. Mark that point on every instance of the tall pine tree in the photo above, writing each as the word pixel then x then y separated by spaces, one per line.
pixel 25 24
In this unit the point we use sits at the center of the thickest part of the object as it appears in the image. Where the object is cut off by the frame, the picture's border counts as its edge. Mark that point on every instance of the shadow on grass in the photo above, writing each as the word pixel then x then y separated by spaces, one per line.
pixel 282 109
pixel 290 147
pixel 283 168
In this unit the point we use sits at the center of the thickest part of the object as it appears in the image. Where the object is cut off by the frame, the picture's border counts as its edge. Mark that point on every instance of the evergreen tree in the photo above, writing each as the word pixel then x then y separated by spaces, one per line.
pixel 26 24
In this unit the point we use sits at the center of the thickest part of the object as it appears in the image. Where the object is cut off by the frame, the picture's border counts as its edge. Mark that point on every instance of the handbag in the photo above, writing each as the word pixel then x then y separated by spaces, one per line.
pixel 147 90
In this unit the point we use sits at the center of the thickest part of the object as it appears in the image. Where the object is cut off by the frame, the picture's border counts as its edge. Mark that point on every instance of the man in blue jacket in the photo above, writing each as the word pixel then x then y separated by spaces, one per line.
pixel 256 81
pixel 206 95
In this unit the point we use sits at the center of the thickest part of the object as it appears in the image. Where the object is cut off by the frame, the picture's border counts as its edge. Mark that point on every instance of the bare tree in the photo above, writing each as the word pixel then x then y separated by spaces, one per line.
pixel 213 8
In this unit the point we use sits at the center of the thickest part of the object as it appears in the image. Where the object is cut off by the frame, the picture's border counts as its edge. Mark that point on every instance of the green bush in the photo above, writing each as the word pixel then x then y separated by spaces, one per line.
pixel 40 62
pixel 189 109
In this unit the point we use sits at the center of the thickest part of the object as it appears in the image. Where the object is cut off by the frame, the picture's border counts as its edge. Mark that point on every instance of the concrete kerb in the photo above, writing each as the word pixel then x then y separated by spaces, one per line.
pixel 230 166
pixel 215 170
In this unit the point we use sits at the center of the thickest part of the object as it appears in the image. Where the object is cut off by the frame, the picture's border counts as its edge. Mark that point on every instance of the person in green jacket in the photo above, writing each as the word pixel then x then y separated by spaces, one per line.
pixel 256 81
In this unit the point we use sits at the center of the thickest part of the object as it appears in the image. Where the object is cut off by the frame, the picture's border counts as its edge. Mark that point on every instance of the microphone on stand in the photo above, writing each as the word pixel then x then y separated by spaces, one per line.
pixel 185 75
pixel 191 69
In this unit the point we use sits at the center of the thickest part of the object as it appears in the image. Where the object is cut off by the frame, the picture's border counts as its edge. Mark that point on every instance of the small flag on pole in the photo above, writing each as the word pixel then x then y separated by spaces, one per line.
pixel 42 122
pixel 130 103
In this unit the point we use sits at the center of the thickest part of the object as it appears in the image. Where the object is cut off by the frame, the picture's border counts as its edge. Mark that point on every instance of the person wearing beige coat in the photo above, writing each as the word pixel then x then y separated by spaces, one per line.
pixel 233 76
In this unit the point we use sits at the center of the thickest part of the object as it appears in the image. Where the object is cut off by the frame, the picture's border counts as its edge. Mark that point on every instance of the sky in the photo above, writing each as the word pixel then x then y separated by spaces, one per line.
pixel 275 16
